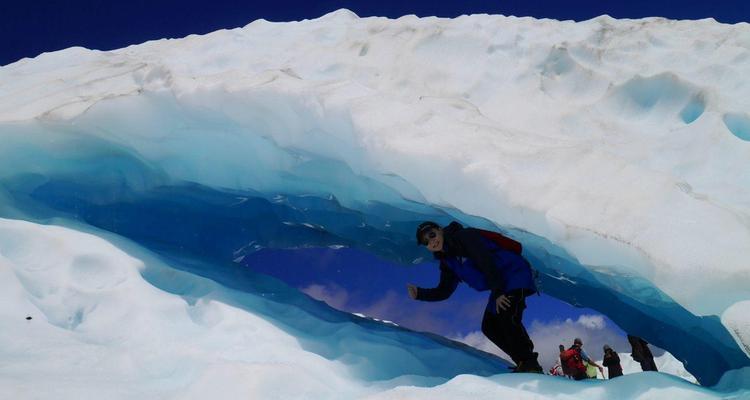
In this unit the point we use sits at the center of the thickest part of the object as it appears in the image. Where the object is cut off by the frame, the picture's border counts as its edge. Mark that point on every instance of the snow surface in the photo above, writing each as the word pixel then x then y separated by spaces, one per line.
pixel 616 149
pixel 664 363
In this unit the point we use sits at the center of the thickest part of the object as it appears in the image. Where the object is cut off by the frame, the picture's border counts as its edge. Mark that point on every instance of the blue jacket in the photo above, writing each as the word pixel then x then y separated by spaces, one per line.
pixel 469 257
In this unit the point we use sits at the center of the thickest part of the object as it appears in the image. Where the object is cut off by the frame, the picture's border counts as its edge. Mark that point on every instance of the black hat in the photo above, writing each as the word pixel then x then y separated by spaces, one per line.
pixel 425 227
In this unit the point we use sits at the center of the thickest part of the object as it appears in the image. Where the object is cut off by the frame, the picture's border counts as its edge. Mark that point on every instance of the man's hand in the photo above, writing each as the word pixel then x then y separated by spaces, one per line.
pixel 502 302
pixel 412 291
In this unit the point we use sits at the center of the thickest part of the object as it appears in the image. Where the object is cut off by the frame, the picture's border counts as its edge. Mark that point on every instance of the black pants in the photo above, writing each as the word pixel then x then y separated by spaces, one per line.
pixel 579 376
pixel 648 365
pixel 505 329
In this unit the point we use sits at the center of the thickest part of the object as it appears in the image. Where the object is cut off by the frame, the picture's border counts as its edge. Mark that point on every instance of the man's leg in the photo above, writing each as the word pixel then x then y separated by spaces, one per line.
pixel 492 328
pixel 519 342
pixel 505 329
pixel 648 365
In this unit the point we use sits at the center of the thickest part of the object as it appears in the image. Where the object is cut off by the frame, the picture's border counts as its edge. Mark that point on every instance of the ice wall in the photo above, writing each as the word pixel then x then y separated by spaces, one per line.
pixel 85 176
pixel 614 149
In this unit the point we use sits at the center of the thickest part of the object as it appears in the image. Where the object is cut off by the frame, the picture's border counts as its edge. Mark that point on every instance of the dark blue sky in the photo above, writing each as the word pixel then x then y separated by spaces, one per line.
pixel 33 27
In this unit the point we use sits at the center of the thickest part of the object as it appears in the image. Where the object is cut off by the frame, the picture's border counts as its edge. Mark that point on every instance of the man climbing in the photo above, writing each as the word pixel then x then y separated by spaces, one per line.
pixel 485 260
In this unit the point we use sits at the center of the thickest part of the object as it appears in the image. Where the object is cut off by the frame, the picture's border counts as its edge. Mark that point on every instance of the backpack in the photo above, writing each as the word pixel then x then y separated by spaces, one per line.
pixel 565 369
pixel 505 243
pixel 502 241
pixel 571 359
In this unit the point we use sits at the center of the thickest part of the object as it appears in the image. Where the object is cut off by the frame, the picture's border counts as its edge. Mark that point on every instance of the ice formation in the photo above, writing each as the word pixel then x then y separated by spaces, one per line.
pixel 616 150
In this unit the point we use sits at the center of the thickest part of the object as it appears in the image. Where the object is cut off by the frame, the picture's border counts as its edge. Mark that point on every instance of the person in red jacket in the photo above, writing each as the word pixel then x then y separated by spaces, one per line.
pixel 486 261
pixel 575 357
pixel 573 362
pixel 567 371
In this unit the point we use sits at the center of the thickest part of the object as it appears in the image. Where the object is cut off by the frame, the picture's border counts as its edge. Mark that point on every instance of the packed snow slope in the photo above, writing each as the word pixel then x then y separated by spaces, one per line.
pixel 618 151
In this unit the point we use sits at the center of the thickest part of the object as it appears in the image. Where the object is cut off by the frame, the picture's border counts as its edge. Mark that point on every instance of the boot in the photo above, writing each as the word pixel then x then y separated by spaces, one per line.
pixel 530 365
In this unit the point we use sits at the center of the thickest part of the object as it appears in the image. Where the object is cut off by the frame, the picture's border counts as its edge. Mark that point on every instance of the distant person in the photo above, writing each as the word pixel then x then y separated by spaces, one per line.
pixel 556 370
pixel 612 362
pixel 576 359
pixel 573 363
pixel 591 371
pixel 486 261
pixel 578 342
pixel 641 353
pixel 567 371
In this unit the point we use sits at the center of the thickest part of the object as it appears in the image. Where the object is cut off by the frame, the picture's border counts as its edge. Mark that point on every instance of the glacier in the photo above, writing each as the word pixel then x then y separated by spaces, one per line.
pixel 134 182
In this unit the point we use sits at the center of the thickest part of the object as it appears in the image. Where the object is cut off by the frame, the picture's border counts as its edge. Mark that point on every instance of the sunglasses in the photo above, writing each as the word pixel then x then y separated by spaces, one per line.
pixel 426 238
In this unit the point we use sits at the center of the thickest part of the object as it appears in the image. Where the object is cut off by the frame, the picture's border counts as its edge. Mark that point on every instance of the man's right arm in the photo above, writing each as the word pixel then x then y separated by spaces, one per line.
pixel 448 283
pixel 585 356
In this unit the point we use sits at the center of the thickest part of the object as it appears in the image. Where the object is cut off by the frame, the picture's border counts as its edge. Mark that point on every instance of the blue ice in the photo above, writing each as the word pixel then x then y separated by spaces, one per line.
pixel 286 199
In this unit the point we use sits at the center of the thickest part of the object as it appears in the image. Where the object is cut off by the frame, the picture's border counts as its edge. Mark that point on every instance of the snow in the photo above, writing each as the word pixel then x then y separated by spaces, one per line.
pixel 113 332
pixel 616 150
pixel 98 327
pixel 387 80
pixel 664 363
